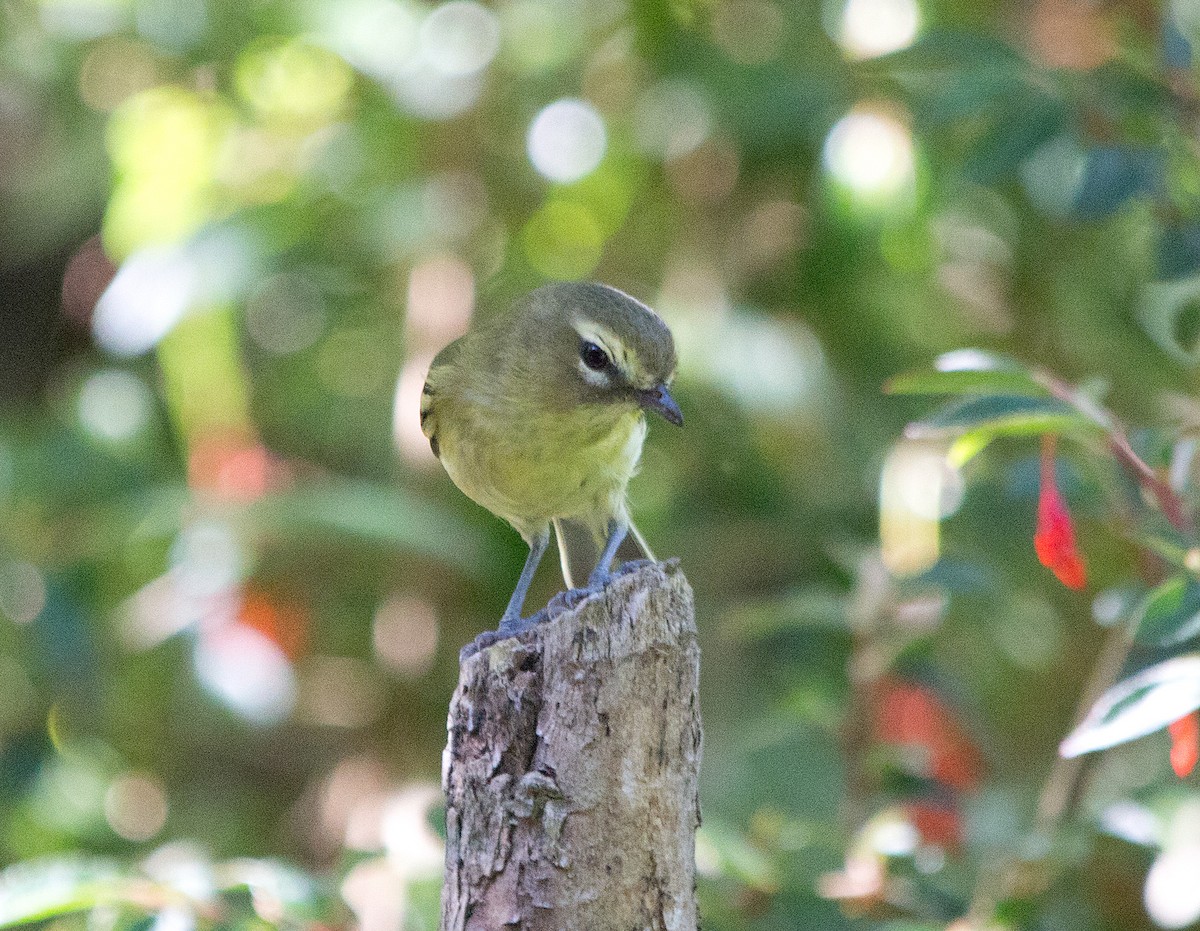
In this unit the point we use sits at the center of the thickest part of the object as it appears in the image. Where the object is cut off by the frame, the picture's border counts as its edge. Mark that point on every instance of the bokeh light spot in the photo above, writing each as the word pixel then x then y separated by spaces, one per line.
pixel 136 806
pixel 176 24
pixel 917 488
pixel 536 34
pixel 182 865
pixel 413 850
pixel 566 140
pixel 22 592
pixel 351 803
pixel 260 165
pixel 1031 634
pixel 460 37
pixel 230 467
pixel 871 153
pixel 441 296
pixel 376 895
pixel 340 691
pixel 671 119
pixel 876 27
pixel 405 635
pixel 378 37
pixel 410 439
pixel 770 366
pixel 69 793
pixel 114 405
pixel 164 144
pixel 434 95
pixel 285 314
pixel 294 81
pixel 247 672
pixel 750 32
pixel 81 19
pixel 208 558
pixel 174 918
pixel 1172 894
pixel 150 293
pixel 113 71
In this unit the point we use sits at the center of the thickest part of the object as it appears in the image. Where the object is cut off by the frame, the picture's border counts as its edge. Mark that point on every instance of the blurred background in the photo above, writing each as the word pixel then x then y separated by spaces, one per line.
pixel 234 581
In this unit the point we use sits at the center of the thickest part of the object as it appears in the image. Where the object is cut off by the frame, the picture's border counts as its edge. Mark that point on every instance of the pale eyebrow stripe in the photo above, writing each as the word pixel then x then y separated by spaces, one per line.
pixel 603 337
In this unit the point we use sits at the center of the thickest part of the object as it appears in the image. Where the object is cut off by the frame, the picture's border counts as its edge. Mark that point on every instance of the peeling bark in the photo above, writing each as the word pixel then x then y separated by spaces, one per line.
pixel 572 765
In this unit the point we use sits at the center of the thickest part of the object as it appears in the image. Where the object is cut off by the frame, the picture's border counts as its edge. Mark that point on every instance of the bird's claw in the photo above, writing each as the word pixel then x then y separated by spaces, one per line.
pixel 514 626
pixel 597 580
pixel 566 601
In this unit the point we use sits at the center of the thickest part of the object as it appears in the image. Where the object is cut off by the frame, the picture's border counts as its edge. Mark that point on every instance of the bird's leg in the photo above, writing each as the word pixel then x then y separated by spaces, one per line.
pixel 616 536
pixel 537 549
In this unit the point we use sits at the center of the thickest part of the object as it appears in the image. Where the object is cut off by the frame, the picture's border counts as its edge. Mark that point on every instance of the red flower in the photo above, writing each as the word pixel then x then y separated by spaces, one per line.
pixel 940 824
pixel 1185 743
pixel 911 715
pixel 1055 536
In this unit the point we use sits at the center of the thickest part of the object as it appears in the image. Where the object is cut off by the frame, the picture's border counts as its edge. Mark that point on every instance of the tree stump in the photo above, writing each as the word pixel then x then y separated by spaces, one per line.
pixel 572 765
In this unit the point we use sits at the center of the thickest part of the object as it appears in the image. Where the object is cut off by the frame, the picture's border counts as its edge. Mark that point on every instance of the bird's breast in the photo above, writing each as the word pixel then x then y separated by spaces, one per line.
pixel 530 470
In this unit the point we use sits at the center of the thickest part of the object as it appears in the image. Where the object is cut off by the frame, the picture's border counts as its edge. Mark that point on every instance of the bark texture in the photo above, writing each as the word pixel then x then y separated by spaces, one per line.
pixel 572 765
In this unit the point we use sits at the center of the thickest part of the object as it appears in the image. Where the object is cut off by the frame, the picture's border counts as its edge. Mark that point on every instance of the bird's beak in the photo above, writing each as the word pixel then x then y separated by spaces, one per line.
pixel 659 400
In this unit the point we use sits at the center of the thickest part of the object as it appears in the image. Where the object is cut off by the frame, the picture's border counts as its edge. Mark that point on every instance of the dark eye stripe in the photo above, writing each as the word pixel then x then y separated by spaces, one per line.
pixel 593 356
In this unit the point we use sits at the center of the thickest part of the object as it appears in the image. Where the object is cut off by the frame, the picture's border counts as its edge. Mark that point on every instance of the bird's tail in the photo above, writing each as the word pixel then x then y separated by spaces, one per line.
pixel 579 549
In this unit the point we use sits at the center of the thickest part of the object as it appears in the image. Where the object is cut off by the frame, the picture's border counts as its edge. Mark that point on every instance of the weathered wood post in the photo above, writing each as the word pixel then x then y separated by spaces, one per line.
pixel 571 768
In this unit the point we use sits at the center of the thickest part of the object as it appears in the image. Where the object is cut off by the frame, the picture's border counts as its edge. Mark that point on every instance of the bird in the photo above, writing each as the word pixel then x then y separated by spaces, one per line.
pixel 538 415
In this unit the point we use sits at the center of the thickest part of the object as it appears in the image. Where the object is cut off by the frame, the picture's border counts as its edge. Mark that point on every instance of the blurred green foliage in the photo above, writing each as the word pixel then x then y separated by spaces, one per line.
pixel 233 582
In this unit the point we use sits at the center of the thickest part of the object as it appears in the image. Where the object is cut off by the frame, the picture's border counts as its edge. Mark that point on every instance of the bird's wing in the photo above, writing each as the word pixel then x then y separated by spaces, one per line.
pixel 579 550
pixel 434 381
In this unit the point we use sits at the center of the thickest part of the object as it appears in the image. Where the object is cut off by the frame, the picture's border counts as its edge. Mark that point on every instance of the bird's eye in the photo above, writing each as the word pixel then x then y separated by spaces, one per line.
pixel 593 356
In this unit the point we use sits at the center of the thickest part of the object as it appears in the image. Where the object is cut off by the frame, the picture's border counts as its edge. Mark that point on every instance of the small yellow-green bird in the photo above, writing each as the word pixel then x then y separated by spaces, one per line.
pixel 538 415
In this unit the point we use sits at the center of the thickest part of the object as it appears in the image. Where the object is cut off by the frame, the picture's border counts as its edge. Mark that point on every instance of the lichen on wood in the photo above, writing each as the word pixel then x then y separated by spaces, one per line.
pixel 572 765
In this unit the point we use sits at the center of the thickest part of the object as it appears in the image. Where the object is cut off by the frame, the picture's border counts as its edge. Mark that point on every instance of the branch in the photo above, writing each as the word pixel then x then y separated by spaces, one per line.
pixel 1118 443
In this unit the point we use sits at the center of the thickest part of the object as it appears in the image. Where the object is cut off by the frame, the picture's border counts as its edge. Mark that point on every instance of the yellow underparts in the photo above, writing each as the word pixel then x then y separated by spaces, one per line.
pixel 574 464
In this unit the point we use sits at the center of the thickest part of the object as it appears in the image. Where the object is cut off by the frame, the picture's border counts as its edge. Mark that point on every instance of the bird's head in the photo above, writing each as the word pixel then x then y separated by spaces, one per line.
pixel 610 348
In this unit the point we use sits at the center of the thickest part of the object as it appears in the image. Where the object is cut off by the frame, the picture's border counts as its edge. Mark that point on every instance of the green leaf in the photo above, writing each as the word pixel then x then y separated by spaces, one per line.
pixel 1168 312
pixel 1014 138
pixel 967 381
pixel 1178 251
pixel 1140 705
pixel 1170 614
pixel 738 856
pixel 907 925
pixel 40 890
pixel 941 49
pixel 814 607
pixel 375 514
pixel 1001 415
pixel 1115 175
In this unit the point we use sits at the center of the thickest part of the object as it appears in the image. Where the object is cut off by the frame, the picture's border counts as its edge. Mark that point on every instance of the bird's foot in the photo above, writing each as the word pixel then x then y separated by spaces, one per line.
pixel 599 578
pixel 509 627
pixel 632 565
pixel 513 626
pixel 564 601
